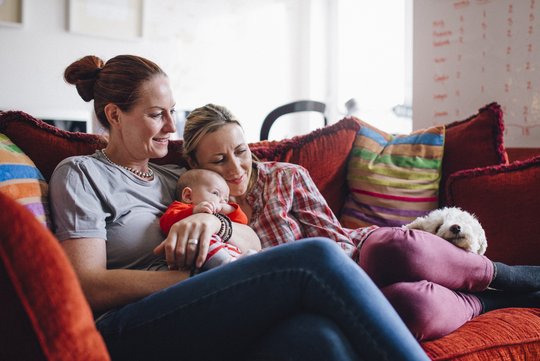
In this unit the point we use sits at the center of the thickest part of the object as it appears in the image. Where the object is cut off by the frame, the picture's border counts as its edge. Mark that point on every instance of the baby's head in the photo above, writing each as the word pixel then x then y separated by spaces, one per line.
pixel 198 185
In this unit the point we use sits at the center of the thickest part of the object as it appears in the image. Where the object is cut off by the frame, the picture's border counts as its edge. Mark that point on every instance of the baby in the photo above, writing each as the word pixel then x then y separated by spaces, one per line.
pixel 205 191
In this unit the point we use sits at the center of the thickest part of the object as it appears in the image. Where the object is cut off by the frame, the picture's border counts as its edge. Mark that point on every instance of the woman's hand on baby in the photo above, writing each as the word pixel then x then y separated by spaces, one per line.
pixel 188 241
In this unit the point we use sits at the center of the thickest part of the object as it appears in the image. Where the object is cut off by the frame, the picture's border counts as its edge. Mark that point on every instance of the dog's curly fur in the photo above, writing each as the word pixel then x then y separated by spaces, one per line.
pixel 457 226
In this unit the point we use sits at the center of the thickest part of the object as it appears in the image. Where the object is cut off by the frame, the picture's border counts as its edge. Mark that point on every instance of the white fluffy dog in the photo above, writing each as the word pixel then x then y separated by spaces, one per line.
pixel 457 226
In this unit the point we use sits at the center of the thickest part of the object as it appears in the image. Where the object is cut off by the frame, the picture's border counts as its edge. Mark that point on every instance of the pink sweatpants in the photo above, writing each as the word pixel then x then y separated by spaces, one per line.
pixel 427 279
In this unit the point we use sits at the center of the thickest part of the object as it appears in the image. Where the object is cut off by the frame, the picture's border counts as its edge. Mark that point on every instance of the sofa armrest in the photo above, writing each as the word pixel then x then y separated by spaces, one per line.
pixel 506 200
pixel 44 313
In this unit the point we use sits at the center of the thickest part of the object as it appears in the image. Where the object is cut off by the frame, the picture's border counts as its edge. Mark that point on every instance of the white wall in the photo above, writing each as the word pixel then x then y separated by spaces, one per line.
pixel 250 55
pixel 238 53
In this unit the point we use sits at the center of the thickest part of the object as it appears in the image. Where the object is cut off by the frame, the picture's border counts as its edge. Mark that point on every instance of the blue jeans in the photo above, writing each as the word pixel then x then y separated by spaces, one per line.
pixel 301 301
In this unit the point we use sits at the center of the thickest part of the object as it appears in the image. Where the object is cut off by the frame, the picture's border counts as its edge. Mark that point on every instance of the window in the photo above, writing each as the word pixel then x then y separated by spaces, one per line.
pixel 374 62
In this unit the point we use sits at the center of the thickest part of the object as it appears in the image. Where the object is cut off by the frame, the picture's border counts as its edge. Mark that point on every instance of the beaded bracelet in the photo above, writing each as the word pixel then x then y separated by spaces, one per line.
pixel 225 230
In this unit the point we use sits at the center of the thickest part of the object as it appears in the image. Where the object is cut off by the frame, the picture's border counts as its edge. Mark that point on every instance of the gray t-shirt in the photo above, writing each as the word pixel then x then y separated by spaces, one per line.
pixel 92 198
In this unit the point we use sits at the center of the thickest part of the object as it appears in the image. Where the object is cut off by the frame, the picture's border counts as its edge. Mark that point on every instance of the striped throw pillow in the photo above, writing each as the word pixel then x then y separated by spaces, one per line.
pixel 21 180
pixel 392 178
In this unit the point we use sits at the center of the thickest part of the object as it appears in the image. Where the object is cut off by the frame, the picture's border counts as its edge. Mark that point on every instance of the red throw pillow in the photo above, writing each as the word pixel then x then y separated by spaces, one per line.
pixel 474 142
pixel 505 198
pixel 44 313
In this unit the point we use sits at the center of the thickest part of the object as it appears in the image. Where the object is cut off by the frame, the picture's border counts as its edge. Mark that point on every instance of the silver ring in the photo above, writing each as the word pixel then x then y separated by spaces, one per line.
pixel 193 241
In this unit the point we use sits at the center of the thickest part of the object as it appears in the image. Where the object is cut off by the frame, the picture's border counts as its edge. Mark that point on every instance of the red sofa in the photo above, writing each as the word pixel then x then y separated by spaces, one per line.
pixel 45 316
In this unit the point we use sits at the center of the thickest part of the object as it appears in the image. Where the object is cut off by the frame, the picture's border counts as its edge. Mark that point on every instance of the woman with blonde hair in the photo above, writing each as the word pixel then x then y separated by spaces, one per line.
pixel 435 286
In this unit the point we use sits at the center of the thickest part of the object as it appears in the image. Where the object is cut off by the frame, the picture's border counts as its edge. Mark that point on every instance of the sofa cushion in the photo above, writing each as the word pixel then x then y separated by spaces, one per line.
pixel 44 313
pixel 472 143
pixel 392 179
pixel 504 198
pixel 22 181
pixel 506 334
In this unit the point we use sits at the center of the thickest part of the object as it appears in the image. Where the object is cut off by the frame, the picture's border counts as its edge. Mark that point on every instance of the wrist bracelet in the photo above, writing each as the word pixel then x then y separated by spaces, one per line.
pixel 225 230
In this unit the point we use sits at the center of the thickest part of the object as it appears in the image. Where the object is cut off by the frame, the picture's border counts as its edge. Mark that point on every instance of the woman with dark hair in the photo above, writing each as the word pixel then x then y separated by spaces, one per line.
pixel 302 301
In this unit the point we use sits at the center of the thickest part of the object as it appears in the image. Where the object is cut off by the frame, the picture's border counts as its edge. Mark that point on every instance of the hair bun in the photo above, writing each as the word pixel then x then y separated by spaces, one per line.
pixel 84 73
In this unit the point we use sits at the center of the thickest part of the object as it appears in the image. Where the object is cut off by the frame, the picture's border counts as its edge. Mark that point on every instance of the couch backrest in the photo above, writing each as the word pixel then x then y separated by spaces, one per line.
pixel 470 143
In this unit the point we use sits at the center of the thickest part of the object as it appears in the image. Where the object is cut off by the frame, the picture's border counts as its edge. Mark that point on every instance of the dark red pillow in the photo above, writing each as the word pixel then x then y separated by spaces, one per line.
pixel 474 142
pixel 44 314
pixel 44 144
pixel 506 200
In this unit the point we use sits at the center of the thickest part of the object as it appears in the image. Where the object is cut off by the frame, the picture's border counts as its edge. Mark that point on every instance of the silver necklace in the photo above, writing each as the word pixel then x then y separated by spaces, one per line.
pixel 148 174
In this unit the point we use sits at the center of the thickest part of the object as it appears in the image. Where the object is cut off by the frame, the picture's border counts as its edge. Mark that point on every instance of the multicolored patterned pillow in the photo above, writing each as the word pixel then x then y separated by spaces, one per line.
pixel 22 181
pixel 392 178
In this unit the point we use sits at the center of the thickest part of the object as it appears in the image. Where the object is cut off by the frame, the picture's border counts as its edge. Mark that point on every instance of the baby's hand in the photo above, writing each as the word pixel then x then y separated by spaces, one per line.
pixel 205 207
pixel 225 208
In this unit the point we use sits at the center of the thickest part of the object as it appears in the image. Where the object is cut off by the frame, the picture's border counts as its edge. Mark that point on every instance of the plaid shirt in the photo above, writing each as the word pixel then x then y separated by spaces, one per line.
pixel 287 206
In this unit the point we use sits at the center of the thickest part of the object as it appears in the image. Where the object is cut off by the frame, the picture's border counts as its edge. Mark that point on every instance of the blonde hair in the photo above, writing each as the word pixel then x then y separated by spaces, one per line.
pixel 202 121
